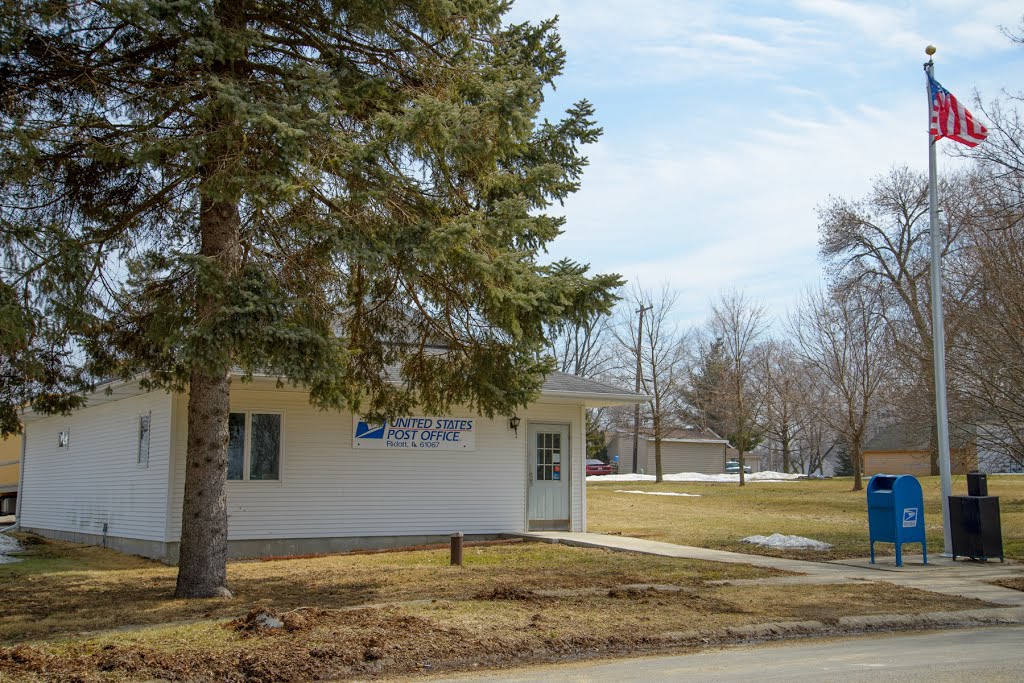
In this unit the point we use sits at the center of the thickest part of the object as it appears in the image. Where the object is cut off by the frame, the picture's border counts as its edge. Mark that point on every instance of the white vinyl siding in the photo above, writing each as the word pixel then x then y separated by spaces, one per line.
pixel 329 489
pixel 97 479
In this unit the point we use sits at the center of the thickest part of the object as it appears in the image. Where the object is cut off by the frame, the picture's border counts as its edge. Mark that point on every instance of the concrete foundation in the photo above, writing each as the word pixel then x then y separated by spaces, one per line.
pixel 167 552
pixel 156 550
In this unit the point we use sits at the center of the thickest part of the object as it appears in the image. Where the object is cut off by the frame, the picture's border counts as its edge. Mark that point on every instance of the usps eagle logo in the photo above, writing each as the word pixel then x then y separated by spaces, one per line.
pixel 370 431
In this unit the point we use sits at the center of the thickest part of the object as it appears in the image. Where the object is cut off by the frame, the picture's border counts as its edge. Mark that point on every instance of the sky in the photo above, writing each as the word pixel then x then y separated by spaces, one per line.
pixel 726 124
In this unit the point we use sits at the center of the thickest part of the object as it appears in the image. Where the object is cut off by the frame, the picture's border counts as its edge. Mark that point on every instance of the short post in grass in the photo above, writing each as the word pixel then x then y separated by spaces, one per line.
pixel 457 549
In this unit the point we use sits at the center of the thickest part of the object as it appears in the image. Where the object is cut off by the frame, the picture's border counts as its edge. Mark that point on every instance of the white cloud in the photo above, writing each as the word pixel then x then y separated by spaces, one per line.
pixel 612 42
pixel 727 124
pixel 736 212
pixel 886 25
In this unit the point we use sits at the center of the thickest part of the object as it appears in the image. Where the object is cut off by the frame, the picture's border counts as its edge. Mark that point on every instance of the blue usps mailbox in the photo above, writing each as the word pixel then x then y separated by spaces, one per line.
pixel 896 513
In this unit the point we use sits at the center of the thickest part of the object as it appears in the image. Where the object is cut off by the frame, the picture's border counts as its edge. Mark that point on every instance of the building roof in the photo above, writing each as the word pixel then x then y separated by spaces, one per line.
pixel 692 434
pixel 562 384
pixel 684 435
pixel 558 387
pixel 907 437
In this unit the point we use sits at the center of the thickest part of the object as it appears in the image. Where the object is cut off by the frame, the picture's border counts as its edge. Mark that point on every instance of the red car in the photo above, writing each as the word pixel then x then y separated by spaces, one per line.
pixel 596 467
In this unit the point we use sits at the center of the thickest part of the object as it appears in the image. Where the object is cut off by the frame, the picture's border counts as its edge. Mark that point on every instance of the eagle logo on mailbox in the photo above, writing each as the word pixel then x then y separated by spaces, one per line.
pixel 909 517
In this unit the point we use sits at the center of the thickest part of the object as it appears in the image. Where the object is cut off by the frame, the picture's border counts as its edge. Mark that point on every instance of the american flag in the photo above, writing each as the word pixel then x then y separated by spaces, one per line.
pixel 951 120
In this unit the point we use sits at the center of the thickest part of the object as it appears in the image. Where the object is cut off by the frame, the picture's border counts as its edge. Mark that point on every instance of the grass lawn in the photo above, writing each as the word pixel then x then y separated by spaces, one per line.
pixel 825 510
pixel 73 612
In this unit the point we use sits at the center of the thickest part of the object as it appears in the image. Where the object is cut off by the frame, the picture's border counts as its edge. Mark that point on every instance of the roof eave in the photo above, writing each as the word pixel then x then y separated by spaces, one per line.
pixel 596 399
pixel 670 440
pixel 126 388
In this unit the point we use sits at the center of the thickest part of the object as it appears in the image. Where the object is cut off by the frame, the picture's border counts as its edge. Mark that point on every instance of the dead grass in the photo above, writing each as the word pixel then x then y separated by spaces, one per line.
pixel 64 589
pixel 496 629
pixel 80 613
pixel 1016 584
pixel 825 510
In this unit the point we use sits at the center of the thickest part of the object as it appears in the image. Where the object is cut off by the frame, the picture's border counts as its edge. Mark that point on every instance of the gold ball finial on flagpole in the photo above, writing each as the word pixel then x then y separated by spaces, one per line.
pixel 930 50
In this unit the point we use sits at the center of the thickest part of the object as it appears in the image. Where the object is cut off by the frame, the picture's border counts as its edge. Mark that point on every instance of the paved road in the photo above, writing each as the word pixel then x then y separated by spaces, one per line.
pixel 985 654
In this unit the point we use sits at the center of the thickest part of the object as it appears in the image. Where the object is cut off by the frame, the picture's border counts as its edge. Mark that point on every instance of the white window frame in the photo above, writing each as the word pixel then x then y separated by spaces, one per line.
pixel 247 444
pixel 64 435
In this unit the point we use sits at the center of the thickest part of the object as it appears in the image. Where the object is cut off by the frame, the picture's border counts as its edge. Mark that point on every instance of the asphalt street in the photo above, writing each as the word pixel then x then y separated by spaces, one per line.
pixel 984 654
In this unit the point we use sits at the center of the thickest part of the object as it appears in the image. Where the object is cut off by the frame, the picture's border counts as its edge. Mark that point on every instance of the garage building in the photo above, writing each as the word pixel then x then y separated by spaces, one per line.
pixel 682 450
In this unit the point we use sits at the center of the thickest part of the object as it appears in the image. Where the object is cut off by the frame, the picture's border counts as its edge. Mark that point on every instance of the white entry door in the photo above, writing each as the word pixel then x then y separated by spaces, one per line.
pixel 548 477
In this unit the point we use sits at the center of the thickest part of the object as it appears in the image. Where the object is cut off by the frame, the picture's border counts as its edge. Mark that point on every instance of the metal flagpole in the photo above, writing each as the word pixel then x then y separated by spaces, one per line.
pixel 938 327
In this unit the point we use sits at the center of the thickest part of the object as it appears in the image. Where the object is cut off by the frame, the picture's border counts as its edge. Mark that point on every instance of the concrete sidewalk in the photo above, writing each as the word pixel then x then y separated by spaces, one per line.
pixel 941 575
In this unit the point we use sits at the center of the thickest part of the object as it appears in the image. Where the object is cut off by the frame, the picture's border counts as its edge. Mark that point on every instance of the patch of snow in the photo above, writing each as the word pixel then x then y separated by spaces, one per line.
pixel 660 493
pixel 267 621
pixel 696 476
pixel 784 541
pixel 8 545
pixel 772 476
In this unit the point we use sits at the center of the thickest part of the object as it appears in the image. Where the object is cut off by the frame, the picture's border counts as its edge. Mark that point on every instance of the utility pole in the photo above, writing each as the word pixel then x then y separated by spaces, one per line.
pixel 639 375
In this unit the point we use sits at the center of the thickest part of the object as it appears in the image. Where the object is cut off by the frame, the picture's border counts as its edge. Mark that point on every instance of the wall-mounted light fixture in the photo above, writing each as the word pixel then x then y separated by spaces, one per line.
pixel 513 424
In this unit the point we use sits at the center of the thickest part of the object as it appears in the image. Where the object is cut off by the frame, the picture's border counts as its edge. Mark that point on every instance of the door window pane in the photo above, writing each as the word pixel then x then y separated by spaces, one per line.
pixel 548 456
pixel 265 451
pixel 236 445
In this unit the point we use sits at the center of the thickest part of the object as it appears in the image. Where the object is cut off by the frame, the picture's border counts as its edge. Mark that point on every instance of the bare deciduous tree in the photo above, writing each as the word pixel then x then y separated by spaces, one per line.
pixel 580 347
pixel 841 334
pixel 660 350
pixel 781 377
pixel 738 324
pixel 990 360
pixel 816 436
pixel 881 243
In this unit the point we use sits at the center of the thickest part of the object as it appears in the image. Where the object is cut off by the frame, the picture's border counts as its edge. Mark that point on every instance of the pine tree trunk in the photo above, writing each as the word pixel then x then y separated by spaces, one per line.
pixel 202 567
pixel 202 563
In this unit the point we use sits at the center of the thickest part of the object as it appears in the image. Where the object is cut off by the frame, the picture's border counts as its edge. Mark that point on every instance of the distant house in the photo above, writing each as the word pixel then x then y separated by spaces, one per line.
pixel 756 460
pixel 10 468
pixel 992 461
pixel 901 449
pixel 682 450
pixel 998 450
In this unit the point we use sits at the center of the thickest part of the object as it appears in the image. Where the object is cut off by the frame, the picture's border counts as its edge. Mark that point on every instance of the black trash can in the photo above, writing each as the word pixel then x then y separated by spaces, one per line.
pixel 977 484
pixel 975 528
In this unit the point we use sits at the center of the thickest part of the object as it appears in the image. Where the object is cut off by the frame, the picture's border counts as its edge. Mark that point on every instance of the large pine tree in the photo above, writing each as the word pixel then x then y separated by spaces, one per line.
pixel 316 189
